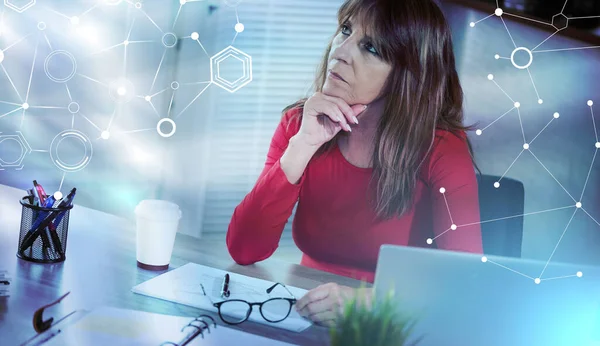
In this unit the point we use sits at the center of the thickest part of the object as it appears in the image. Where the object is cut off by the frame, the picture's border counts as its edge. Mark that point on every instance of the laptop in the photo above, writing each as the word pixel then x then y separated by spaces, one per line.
pixel 466 299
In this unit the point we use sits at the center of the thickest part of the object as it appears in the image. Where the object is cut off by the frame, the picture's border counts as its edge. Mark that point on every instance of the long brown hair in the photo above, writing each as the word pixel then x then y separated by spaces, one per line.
pixel 423 93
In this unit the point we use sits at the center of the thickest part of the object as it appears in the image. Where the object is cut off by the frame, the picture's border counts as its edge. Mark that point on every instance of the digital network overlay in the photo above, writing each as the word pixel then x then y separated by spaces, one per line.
pixel 121 90
pixel 559 22
pixel 124 90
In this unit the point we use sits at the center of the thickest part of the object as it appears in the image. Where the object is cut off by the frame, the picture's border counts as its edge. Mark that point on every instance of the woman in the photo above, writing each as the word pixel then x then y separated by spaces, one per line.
pixel 377 155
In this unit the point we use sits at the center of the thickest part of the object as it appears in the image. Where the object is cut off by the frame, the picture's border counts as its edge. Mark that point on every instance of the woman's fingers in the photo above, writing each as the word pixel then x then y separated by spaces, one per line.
pixel 314 295
pixel 350 112
pixel 315 307
pixel 336 115
pixel 324 318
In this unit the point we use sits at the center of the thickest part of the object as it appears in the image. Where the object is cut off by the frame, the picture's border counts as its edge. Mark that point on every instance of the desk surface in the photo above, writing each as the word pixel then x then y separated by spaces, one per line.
pixel 100 269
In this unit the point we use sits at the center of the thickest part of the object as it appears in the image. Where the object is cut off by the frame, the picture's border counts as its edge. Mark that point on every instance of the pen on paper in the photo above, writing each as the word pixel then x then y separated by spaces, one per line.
pixel 225 287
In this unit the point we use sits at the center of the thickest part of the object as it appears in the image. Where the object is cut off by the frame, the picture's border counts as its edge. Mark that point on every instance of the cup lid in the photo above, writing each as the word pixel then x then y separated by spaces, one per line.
pixel 158 209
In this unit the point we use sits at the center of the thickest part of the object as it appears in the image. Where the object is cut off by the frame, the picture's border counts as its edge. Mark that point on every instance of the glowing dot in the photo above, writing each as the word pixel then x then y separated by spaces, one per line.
pixel 490 76
pixel 442 190
pixel 453 227
pixel 148 98
pixel 429 241
pixel 498 12
pixel 525 146
pixel 25 105
pixel 597 144
pixel 195 36
pixel 121 91
pixel 105 135
pixel 537 281
pixel 517 104
pixel 75 20
pixel 138 5
pixel 1 56
pixel 590 103
pixel 579 274
pixel 540 101
pixel 126 43
pixel 41 26
pixel 239 27
pixel 556 115
pixel 182 2
pixel 578 204
pixel 496 56
pixel 478 132
pixel 483 259
pixel 496 184
pixel 58 195
pixel 472 24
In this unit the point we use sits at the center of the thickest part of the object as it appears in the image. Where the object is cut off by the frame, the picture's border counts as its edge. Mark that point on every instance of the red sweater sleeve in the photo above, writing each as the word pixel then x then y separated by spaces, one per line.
pixel 451 168
pixel 258 221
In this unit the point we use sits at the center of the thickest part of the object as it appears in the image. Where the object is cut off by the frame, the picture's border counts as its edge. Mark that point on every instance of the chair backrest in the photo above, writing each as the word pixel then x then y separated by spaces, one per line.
pixel 505 205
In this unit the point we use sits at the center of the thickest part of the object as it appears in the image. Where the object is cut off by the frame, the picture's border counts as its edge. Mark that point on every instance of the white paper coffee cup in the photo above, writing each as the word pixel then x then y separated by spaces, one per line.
pixel 157 222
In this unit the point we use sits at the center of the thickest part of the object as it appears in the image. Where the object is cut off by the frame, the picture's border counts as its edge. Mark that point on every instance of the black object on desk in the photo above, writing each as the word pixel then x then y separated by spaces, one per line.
pixel 40 249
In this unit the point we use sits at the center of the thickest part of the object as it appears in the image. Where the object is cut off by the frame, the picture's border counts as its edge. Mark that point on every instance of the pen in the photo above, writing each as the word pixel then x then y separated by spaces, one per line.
pixel 40 192
pixel 46 234
pixel 60 216
pixel 36 197
pixel 39 198
pixel 225 287
pixel 30 196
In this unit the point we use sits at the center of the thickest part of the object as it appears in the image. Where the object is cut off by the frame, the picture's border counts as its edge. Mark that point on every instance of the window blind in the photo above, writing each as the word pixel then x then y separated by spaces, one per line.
pixel 286 40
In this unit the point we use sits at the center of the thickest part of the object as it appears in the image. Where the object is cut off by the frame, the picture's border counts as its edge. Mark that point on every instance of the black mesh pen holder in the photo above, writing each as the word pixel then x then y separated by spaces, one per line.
pixel 46 243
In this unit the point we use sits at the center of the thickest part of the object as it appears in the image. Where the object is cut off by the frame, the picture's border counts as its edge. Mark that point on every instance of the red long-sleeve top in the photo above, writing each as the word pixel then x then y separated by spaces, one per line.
pixel 336 227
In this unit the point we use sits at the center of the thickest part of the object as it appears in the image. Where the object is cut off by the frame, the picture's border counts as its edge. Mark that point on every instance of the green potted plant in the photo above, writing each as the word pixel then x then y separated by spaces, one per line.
pixel 374 324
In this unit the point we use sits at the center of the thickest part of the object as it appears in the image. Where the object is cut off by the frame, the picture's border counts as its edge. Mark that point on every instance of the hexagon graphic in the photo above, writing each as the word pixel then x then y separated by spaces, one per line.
pixel 232 55
pixel 25 150
pixel 19 5
pixel 560 21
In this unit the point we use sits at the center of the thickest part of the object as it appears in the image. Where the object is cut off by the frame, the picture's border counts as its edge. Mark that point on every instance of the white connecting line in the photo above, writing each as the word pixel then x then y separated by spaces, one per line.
pixel 526 146
pixel 121 90
pixel 577 206
pixel 558 27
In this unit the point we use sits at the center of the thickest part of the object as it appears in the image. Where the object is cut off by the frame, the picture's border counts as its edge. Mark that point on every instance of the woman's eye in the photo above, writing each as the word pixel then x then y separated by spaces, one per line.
pixel 345 28
pixel 371 49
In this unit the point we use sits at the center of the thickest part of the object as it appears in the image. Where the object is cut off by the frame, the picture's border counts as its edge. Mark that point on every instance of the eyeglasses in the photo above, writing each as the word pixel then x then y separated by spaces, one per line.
pixel 236 311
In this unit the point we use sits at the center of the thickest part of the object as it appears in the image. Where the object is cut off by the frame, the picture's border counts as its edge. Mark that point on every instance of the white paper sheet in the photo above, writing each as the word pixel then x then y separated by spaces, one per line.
pixel 182 285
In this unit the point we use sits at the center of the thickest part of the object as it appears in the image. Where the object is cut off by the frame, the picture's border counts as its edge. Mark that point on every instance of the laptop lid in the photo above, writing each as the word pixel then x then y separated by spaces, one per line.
pixel 468 299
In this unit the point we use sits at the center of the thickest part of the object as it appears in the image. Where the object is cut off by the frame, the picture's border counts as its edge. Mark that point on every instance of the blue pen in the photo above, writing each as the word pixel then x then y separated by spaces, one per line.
pixel 43 214
pixel 53 235
pixel 62 214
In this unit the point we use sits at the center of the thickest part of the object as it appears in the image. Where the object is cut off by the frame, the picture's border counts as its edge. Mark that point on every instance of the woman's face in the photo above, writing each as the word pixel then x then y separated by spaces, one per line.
pixel 357 61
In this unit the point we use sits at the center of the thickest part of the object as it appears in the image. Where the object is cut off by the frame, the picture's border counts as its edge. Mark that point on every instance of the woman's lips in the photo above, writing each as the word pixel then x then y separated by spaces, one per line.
pixel 336 76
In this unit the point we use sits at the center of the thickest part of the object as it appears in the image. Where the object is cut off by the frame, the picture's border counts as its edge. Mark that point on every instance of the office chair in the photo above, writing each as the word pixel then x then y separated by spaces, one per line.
pixel 501 237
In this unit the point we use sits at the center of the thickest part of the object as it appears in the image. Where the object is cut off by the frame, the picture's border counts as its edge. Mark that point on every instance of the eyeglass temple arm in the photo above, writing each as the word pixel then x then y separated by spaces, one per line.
pixel 283 285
